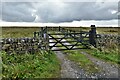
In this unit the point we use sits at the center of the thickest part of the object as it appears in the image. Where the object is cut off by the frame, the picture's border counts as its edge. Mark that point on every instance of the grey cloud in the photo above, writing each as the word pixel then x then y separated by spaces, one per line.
pixel 17 12
pixel 60 12
pixel 76 11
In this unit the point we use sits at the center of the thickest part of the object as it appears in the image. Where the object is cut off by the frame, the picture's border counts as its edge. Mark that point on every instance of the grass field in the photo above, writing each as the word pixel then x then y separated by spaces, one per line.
pixel 28 31
pixel 16 32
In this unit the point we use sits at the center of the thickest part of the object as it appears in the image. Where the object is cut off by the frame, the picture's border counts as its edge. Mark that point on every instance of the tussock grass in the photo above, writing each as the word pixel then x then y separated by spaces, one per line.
pixel 39 65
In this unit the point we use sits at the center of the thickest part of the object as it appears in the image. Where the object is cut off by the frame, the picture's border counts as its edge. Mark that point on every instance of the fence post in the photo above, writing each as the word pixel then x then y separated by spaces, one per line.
pixel 41 31
pixel 81 37
pixel 92 35
pixel 59 28
pixel 38 34
pixel 74 33
pixel 46 39
pixel 34 34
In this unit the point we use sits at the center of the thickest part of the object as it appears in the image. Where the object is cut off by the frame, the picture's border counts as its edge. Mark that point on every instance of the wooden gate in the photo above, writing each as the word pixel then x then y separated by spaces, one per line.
pixel 59 36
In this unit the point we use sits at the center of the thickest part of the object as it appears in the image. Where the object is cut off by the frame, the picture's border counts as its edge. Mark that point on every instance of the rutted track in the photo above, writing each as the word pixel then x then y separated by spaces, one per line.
pixel 68 68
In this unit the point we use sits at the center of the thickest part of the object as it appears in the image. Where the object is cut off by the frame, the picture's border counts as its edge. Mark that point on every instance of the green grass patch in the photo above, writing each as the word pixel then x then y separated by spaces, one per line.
pixel 39 65
pixel 82 61
pixel 17 32
pixel 109 56
pixel 104 55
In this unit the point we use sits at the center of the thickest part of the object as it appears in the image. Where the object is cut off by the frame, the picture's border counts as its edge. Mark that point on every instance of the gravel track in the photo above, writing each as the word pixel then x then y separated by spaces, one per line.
pixel 109 70
pixel 69 69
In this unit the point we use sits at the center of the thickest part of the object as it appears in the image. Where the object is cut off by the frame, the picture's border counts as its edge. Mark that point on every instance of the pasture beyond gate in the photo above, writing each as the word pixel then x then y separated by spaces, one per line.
pixel 43 39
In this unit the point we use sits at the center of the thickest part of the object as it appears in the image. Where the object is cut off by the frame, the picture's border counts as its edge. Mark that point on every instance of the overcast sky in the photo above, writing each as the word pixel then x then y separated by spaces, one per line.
pixel 59 12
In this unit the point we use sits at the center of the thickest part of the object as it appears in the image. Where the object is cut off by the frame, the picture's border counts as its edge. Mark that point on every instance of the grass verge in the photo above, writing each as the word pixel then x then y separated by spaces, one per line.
pixel 39 65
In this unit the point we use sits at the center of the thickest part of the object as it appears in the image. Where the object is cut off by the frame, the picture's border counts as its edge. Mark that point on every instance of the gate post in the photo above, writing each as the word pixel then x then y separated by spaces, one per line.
pixel 46 39
pixel 59 28
pixel 92 35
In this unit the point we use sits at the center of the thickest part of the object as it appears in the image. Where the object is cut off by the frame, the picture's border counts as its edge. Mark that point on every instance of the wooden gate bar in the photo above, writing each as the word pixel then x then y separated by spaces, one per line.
pixel 64 41
pixel 68 49
pixel 66 45
pixel 64 38
pixel 65 33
